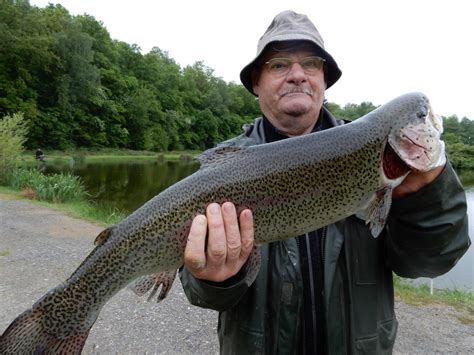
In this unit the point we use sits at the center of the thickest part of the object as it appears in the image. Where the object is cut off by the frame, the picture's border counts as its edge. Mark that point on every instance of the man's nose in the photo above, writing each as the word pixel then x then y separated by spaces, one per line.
pixel 296 73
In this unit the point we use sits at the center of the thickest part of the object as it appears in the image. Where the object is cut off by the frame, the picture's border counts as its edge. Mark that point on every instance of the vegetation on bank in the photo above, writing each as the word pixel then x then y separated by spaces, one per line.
pixel 420 294
pixel 103 215
pixel 13 132
pixel 57 188
pixel 109 154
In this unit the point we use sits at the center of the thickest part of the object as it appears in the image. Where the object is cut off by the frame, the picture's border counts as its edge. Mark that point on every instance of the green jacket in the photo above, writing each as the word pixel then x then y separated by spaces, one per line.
pixel 425 235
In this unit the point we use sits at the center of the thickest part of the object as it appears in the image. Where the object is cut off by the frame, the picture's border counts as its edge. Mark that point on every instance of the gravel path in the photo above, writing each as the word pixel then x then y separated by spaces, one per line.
pixel 40 247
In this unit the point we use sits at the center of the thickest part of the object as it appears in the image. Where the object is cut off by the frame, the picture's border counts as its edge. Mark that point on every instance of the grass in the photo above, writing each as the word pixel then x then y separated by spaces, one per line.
pixel 56 188
pixel 417 295
pixel 98 214
pixel 4 253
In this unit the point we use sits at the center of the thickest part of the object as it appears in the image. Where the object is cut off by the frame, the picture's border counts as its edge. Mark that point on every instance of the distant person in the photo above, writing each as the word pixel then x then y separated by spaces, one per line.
pixel 39 155
pixel 329 291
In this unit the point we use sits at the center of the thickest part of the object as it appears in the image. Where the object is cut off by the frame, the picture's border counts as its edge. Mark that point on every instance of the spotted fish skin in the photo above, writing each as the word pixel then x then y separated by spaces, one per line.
pixel 292 187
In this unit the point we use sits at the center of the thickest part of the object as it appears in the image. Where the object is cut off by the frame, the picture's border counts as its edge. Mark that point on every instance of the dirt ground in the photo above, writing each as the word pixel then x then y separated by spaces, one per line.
pixel 39 248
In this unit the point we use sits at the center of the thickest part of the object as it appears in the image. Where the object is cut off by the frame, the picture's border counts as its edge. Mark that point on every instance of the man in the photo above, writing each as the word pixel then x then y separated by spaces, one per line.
pixel 329 291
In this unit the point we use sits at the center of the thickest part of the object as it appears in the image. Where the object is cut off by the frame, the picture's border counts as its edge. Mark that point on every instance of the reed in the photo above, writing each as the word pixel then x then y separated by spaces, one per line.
pixel 57 188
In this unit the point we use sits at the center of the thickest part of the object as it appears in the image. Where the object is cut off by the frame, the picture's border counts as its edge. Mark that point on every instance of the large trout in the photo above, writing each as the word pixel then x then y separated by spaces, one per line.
pixel 292 186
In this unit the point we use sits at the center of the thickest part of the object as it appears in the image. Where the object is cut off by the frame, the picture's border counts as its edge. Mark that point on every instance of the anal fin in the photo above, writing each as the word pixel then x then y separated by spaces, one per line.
pixel 143 284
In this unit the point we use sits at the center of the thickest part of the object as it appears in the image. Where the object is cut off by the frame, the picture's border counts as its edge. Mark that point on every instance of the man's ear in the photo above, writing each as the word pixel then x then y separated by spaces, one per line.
pixel 255 76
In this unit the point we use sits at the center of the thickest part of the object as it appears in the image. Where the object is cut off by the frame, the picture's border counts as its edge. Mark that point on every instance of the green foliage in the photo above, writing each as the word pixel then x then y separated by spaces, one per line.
pixel 57 188
pixel 420 294
pixel 78 88
pixel 99 212
pixel 459 138
pixel 350 112
pixel 13 131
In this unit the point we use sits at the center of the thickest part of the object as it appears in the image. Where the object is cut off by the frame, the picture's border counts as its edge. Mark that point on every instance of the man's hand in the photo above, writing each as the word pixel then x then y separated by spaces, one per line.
pixel 229 244
pixel 415 181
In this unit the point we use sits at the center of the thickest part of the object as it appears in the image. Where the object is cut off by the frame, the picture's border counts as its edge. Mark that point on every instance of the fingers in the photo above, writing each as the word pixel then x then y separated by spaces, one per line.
pixel 231 226
pixel 247 234
pixel 217 243
pixel 194 253
pixel 229 242
pixel 415 181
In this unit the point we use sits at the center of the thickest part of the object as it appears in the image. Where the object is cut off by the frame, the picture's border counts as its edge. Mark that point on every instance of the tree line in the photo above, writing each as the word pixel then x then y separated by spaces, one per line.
pixel 79 88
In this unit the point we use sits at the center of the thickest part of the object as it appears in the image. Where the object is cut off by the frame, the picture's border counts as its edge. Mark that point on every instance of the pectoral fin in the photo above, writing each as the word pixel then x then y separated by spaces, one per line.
pixel 376 213
pixel 144 284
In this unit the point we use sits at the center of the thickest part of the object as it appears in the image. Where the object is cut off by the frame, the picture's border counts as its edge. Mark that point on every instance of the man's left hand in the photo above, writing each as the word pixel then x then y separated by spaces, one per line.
pixel 415 181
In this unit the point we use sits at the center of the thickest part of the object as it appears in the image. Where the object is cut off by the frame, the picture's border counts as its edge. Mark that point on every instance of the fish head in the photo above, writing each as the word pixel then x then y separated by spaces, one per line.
pixel 415 136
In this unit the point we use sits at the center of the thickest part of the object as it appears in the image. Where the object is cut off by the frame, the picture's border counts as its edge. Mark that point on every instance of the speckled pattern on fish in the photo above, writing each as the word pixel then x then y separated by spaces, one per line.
pixel 292 186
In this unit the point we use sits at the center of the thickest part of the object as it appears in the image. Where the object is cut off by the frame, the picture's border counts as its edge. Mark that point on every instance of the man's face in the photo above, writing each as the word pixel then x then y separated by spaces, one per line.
pixel 291 102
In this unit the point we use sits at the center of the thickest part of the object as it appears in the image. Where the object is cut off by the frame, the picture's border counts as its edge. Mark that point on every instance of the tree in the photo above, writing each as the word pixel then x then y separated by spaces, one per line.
pixel 13 131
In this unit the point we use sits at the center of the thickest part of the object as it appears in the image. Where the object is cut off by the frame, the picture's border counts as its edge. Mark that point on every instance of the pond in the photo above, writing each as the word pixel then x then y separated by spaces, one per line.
pixel 127 185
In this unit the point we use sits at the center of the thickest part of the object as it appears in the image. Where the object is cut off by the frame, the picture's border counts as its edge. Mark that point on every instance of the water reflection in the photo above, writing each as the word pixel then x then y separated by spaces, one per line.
pixel 126 185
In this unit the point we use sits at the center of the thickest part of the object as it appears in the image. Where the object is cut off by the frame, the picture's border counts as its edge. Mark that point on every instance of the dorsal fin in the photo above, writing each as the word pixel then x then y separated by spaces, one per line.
pixel 103 236
pixel 218 155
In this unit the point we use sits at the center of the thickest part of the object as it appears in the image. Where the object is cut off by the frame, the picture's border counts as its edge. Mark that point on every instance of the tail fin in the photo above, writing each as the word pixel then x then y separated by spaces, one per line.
pixel 27 334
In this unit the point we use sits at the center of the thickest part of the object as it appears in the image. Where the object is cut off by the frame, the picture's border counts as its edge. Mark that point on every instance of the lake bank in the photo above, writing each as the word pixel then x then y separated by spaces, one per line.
pixel 109 155
pixel 84 210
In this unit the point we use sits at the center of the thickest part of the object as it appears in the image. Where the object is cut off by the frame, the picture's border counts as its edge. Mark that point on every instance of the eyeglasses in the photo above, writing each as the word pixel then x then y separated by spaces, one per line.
pixel 281 66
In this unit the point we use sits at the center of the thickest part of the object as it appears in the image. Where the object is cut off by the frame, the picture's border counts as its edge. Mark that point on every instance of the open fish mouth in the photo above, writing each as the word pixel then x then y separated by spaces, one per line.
pixel 393 165
pixel 418 146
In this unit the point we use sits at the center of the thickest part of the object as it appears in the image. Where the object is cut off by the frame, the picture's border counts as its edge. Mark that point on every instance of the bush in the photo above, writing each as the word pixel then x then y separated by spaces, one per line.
pixel 57 188
pixel 13 133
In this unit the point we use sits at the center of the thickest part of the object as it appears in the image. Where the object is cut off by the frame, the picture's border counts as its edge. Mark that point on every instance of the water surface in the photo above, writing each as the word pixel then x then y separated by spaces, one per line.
pixel 126 185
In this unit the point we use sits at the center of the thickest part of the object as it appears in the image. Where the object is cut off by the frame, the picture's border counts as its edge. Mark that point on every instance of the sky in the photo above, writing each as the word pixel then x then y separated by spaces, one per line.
pixel 385 48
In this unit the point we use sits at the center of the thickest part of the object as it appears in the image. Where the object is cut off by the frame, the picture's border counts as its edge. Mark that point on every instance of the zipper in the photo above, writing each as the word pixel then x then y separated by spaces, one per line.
pixel 311 284
pixel 323 242
pixel 345 306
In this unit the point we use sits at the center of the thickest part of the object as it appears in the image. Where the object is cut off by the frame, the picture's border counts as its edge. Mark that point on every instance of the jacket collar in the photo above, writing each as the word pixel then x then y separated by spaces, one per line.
pixel 257 133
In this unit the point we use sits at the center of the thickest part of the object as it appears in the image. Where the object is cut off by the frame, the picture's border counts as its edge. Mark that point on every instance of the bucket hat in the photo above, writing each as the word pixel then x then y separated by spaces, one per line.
pixel 291 26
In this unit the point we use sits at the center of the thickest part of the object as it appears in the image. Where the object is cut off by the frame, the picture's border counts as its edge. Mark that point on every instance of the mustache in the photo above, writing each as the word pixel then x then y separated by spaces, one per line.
pixel 296 89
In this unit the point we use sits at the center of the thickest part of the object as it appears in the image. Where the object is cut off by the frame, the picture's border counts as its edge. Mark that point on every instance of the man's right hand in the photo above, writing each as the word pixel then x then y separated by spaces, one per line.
pixel 229 244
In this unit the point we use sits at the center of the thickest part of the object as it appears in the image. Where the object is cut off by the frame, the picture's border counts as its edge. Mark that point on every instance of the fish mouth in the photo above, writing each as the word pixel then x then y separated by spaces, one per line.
pixel 418 145
pixel 420 148
pixel 393 166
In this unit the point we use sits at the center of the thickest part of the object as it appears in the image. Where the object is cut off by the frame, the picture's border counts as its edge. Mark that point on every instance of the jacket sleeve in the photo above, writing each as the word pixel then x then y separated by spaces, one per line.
pixel 217 296
pixel 427 232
